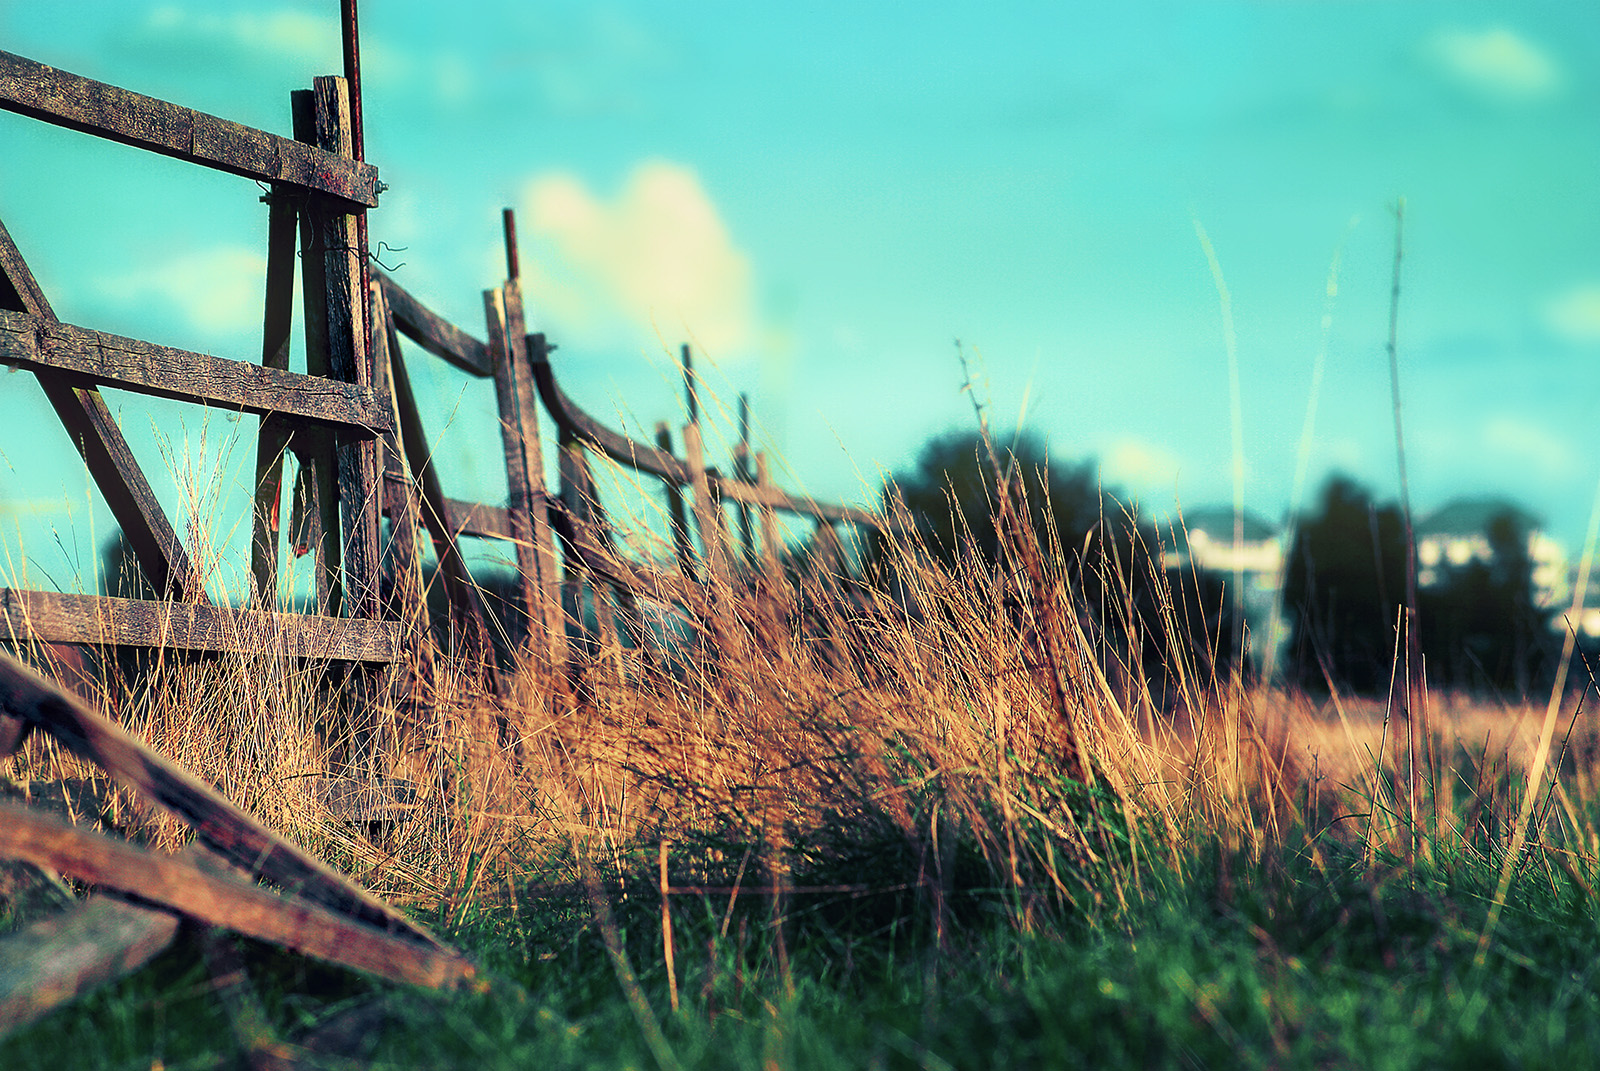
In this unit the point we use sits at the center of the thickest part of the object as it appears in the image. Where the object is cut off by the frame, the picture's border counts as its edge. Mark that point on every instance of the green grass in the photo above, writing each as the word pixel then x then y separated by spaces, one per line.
pixel 1237 888
pixel 1273 961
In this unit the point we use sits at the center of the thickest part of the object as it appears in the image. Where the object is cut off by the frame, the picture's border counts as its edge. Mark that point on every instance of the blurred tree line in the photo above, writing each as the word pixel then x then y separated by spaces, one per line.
pixel 1480 626
pixel 1344 580
pixel 1141 615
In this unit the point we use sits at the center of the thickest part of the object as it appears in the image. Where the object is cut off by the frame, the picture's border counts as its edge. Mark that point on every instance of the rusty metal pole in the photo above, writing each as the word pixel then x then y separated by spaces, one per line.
pixel 352 76
pixel 508 219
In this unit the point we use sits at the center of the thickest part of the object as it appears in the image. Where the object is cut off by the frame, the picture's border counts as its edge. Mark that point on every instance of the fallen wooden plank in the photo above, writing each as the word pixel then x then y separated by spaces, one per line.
pixel 56 959
pixel 58 617
pixel 179 885
pixel 30 88
pixel 132 364
pixel 232 833
pixel 435 334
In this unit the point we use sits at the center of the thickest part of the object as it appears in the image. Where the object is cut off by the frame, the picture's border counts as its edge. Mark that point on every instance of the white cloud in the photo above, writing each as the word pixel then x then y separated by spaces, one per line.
pixel 218 289
pixel 299 34
pixel 1528 445
pixel 1575 315
pixel 1496 61
pixel 657 255
pixel 1143 466
pixel 312 41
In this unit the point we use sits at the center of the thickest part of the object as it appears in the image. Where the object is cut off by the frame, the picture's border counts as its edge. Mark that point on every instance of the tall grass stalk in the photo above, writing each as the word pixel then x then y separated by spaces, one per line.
pixel 1230 341
pixel 872 782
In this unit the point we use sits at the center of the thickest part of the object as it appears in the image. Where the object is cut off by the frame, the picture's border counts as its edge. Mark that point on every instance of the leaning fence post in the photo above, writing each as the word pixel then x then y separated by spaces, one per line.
pixel 272 439
pixel 771 539
pixel 404 564
pixel 466 602
pixel 519 437
pixel 675 511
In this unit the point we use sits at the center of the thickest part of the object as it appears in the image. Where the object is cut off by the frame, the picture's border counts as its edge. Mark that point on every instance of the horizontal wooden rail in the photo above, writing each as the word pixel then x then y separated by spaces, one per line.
pixel 750 494
pixel 30 88
pixel 435 334
pixel 55 617
pixel 575 422
pixel 478 519
pixel 132 364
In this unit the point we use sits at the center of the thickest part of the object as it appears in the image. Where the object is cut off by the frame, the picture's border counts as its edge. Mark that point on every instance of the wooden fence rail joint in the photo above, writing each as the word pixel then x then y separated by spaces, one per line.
pixel 30 88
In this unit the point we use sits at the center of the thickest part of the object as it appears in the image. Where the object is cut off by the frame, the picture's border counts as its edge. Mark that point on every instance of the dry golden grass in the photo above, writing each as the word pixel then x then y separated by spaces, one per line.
pixel 962 701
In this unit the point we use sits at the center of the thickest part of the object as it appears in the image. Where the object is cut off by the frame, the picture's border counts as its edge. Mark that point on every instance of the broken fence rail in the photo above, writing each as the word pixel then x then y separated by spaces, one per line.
pixel 319 911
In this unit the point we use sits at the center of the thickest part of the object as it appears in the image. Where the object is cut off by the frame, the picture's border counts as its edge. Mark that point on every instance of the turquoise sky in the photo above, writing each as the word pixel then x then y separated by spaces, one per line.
pixel 826 196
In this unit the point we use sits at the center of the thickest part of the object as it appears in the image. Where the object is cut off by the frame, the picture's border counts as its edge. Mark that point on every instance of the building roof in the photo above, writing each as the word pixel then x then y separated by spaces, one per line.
pixel 1217 523
pixel 1471 516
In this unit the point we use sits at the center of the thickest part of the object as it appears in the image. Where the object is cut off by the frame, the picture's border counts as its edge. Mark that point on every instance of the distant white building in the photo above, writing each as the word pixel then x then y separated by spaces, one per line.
pixel 1259 552
pixel 1457 534
pixel 1451 536
pixel 1206 539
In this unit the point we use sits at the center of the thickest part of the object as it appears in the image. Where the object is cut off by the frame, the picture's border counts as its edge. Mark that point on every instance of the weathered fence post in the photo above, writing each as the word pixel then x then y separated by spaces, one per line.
pixel 314 516
pixel 742 471
pixel 274 435
pixel 345 335
pixel 676 513
pixel 519 436
pixel 707 509
pixel 771 538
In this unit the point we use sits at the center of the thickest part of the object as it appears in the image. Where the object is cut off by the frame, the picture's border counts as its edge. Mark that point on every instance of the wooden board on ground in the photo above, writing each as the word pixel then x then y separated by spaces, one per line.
pixel 231 832
pixel 177 884
pixel 58 958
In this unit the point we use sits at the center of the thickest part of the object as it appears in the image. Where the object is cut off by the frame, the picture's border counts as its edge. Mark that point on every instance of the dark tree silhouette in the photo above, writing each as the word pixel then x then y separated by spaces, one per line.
pixel 950 493
pixel 1113 562
pixel 1343 586
pixel 1481 627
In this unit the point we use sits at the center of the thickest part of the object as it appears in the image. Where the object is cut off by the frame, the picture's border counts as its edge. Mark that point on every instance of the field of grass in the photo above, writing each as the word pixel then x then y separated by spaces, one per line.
pixel 837 833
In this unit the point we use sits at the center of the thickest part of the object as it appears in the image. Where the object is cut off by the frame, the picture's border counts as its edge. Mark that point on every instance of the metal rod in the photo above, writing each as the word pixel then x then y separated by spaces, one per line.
pixel 351 33
pixel 508 219
pixel 352 72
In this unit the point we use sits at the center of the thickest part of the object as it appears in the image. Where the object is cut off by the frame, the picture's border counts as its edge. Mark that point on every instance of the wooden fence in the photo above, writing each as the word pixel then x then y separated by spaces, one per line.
pixel 336 418
pixel 352 424
pixel 534 520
